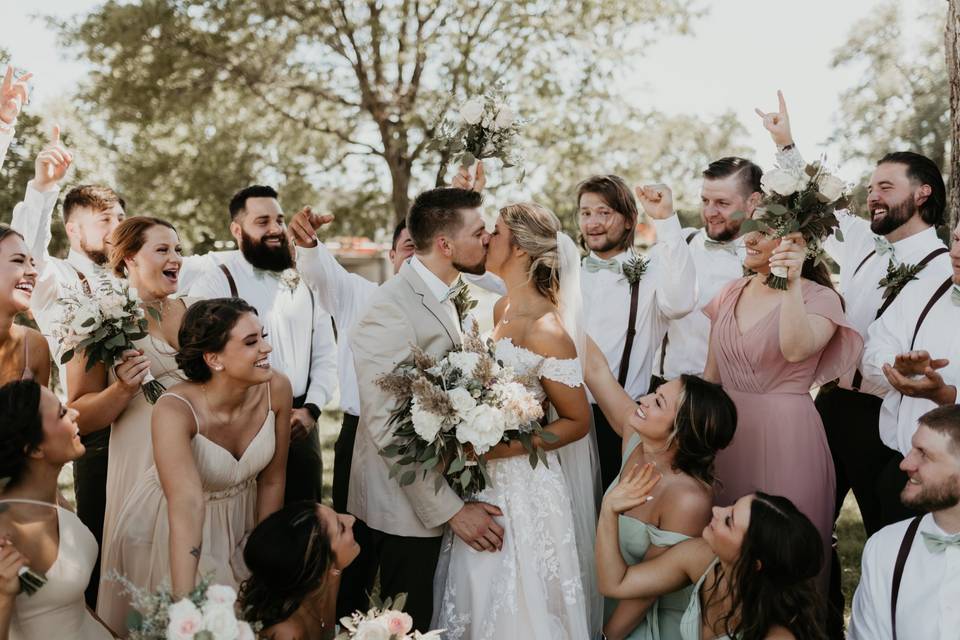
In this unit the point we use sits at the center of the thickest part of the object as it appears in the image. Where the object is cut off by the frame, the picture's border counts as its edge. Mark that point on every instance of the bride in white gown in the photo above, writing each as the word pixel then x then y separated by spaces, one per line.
pixel 540 585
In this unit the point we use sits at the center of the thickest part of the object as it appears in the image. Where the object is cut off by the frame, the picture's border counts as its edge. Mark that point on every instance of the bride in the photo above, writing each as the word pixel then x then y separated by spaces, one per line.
pixel 541 584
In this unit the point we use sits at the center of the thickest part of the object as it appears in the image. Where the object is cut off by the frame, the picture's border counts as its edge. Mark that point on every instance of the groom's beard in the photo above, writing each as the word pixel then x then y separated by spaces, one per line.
pixel 476 269
pixel 265 257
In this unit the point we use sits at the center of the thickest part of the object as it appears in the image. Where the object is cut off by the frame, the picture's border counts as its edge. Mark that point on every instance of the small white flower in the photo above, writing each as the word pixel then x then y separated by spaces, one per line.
pixel 483 427
pixel 465 361
pixel 185 620
pixel 220 621
pixel 375 629
pixel 398 623
pixel 220 594
pixel 831 186
pixel 425 424
pixel 782 182
pixel 462 401
pixel 472 111
pixel 505 117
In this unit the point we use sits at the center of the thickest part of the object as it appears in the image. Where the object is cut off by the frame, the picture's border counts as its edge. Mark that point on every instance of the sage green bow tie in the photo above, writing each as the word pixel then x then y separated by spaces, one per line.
pixel 882 245
pixel 593 264
pixel 937 543
pixel 955 294
pixel 716 245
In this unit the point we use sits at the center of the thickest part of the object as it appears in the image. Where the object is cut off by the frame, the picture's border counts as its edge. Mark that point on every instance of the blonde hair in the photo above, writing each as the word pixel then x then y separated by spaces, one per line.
pixel 534 229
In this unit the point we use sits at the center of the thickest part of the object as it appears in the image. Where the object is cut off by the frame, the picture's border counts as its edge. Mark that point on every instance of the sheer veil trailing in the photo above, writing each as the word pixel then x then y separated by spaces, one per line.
pixel 579 460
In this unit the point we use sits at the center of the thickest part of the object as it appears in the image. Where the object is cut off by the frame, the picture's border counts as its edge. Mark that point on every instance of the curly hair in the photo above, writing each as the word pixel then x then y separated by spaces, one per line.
pixel 706 422
pixel 773 579
pixel 205 329
pixel 21 428
pixel 288 555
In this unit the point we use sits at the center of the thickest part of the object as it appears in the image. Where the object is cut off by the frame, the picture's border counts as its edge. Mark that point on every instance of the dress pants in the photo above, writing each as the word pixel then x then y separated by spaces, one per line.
pixel 90 488
pixel 342 458
pixel 304 466
pixel 609 447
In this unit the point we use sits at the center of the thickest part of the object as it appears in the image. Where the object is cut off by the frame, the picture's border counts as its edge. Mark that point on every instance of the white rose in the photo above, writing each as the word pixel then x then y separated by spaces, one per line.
pixel 220 594
pixel 185 620
pixel 220 621
pixel 483 427
pixel 461 400
pixel 245 631
pixel 426 424
pixel 398 623
pixel 465 361
pixel 505 117
pixel 84 316
pixel 112 306
pixel 375 629
pixel 472 111
pixel 831 186
pixel 781 182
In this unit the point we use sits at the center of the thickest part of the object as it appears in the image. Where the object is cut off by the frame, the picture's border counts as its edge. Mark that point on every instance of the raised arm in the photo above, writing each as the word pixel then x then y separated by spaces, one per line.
pixel 677 275
pixel 173 427
pixel 616 404
pixel 99 403
pixel 13 95
pixel 272 480
pixel 802 334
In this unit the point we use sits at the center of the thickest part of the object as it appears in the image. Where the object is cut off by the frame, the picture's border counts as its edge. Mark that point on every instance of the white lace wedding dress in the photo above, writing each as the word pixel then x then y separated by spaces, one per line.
pixel 533 588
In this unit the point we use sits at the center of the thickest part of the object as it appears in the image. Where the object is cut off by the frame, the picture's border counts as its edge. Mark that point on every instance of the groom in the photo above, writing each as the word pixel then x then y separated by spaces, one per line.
pixel 415 308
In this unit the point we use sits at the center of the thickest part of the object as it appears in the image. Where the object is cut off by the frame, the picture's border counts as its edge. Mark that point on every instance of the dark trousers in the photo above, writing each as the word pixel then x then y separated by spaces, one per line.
pixel 405 565
pixel 90 488
pixel 304 466
pixel 342 457
pixel 609 447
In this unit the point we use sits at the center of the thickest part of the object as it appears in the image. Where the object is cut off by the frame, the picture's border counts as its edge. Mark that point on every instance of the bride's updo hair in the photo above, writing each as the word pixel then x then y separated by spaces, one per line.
pixel 534 229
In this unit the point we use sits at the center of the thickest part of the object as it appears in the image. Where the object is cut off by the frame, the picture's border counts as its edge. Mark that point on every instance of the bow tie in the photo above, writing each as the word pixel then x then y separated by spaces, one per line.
pixel 955 295
pixel 716 245
pixel 882 246
pixel 937 543
pixel 593 264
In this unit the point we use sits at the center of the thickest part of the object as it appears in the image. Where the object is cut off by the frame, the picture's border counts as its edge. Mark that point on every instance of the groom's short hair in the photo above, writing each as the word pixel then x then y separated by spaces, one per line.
pixel 438 211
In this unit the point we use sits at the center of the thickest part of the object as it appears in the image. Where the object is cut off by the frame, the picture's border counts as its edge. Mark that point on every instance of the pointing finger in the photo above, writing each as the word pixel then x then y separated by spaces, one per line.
pixel 783 103
pixel 55 135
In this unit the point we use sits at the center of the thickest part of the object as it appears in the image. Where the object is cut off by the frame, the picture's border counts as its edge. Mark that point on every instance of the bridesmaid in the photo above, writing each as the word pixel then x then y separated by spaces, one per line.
pixel 769 348
pixel 38 435
pixel 752 570
pixel 679 429
pixel 220 445
pixel 146 251
pixel 24 353
pixel 295 558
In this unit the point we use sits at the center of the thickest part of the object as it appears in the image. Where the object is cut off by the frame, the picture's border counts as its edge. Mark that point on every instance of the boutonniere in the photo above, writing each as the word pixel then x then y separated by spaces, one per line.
pixel 898 276
pixel 462 301
pixel 634 268
pixel 290 279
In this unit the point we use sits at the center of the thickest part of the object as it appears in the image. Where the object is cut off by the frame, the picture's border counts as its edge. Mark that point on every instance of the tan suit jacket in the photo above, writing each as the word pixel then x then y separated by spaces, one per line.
pixel 403 312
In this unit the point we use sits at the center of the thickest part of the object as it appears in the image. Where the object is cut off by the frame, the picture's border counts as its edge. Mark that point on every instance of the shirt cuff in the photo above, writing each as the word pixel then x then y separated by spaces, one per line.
pixel 668 230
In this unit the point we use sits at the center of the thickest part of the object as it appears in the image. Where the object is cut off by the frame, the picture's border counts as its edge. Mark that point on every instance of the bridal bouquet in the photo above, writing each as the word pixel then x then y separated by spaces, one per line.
pixel 794 201
pixel 484 127
pixel 384 621
pixel 207 613
pixel 452 410
pixel 103 326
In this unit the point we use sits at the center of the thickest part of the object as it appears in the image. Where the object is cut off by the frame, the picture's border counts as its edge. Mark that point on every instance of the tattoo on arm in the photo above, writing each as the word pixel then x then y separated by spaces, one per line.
pixel 195 552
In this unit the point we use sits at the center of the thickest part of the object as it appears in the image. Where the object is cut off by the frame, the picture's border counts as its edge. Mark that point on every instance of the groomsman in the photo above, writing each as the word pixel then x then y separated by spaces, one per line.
pixel 297 326
pixel 910 580
pixel 629 299
pixel 729 195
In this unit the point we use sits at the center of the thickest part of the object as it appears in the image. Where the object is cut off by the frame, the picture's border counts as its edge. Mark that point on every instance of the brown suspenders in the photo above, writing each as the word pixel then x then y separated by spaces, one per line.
pixel 905 546
pixel 230 281
pixel 631 333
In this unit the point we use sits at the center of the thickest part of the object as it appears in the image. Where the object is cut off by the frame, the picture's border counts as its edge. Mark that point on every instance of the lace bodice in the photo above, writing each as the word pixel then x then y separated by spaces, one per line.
pixel 563 370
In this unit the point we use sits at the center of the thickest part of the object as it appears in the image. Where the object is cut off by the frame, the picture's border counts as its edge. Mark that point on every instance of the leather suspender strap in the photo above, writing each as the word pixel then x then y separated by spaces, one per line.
pixel 230 281
pixel 932 301
pixel 858 377
pixel 905 546
pixel 864 261
pixel 666 338
pixel 631 333
pixel 84 282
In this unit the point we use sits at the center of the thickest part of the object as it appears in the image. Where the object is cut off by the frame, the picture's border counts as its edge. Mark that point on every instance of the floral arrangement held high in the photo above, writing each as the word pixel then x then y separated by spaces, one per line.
pixel 384 621
pixel 207 613
pixel 484 127
pixel 452 410
pixel 804 201
pixel 103 326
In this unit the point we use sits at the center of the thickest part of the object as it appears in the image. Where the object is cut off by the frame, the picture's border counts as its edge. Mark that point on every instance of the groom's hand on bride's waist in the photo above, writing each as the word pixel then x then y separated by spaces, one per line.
pixel 474 524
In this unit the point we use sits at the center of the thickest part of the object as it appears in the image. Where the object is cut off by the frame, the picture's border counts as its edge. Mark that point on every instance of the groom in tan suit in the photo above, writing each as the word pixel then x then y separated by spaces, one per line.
pixel 415 308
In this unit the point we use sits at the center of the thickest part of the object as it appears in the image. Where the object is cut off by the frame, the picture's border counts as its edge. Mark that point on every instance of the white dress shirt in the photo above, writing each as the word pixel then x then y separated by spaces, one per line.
pixel 689 336
pixel 928 603
pixel 667 291
pixel 293 324
pixel 890 335
pixel 32 219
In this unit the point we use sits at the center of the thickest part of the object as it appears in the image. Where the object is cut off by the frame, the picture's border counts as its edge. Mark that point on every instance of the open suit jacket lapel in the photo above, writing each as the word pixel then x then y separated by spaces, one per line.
pixel 430 302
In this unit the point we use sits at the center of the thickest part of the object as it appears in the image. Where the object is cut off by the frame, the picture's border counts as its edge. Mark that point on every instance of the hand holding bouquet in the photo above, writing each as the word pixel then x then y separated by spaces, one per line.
pixel 103 326
pixel 386 621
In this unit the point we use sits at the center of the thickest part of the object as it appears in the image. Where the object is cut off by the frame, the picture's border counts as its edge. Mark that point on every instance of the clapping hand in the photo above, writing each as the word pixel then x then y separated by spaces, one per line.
pixel 304 226
pixel 13 95
pixel 463 180
pixel 914 374
pixel 656 200
pixel 916 363
pixel 790 254
pixel 52 163
pixel 778 123
pixel 633 489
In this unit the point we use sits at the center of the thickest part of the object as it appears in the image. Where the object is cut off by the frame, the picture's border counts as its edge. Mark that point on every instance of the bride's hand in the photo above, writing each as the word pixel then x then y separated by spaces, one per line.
pixel 633 489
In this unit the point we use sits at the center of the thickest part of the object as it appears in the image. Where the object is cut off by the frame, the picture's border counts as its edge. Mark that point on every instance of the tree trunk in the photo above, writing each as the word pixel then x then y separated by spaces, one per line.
pixel 952 46
pixel 400 179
